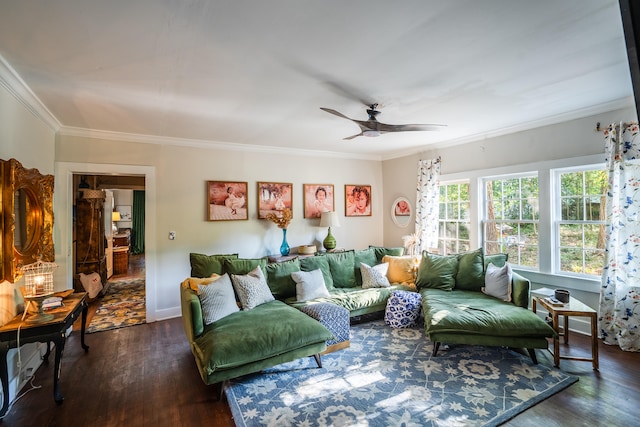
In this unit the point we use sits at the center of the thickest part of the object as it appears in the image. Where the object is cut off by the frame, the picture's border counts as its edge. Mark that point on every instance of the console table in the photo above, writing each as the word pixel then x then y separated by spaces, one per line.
pixel 46 332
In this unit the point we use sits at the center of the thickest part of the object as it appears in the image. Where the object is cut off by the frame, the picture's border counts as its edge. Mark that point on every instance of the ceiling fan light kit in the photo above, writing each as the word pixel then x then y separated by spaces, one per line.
pixel 373 128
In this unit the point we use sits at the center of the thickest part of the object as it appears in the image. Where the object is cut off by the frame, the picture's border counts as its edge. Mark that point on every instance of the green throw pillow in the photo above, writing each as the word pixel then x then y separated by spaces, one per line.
pixel 318 262
pixel 206 265
pixel 241 266
pixel 366 256
pixel 437 271
pixel 499 260
pixel 278 275
pixel 470 274
pixel 341 265
pixel 381 251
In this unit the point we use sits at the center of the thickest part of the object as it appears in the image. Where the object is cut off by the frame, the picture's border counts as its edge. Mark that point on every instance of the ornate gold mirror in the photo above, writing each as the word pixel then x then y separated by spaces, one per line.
pixel 26 198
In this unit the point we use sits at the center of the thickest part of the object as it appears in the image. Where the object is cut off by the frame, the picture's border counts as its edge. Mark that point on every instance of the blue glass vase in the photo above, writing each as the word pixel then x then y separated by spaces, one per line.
pixel 284 247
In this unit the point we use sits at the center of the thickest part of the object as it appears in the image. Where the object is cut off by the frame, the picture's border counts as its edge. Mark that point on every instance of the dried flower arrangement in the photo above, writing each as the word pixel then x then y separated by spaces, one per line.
pixel 282 220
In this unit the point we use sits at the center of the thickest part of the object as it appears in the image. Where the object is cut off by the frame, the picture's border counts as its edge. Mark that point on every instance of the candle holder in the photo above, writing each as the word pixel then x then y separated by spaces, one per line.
pixel 38 286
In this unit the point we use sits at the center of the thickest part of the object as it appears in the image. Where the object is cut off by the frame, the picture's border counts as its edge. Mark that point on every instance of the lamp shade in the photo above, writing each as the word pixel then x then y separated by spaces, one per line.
pixel 115 216
pixel 329 219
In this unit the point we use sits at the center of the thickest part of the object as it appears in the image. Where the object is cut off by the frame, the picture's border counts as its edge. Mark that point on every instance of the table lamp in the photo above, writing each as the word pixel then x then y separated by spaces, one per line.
pixel 115 217
pixel 38 278
pixel 329 219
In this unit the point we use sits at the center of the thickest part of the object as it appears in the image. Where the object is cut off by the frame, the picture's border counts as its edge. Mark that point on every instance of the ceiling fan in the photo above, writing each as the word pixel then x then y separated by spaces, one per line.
pixel 372 127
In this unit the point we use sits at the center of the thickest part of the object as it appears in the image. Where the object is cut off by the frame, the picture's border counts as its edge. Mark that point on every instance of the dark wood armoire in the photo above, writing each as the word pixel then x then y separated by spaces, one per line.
pixel 90 236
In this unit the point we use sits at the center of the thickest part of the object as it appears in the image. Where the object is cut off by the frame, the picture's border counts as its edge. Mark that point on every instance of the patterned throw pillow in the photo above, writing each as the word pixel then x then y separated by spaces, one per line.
pixel 252 288
pixel 310 285
pixel 497 282
pixel 217 299
pixel 403 309
pixel 376 276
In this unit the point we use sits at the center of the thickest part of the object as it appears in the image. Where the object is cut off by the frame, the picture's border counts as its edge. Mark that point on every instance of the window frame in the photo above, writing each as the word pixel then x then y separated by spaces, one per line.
pixel 442 240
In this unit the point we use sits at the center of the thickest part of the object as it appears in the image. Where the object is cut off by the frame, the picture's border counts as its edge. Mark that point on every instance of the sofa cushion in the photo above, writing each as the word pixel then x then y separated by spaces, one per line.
pixel 376 276
pixel 267 331
pixel 437 271
pixel 498 282
pixel 217 299
pixel 309 285
pixel 279 278
pixel 318 262
pixel 193 282
pixel 474 313
pixel 243 265
pixel 252 288
pixel 341 265
pixel 402 269
pixel 366 256
pixel 381 251
pixel 470 271
pixel 498 260
pixel 206 265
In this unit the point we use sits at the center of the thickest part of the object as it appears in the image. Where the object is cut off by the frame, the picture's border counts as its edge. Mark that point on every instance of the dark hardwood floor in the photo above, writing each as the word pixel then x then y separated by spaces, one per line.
pixel 145 376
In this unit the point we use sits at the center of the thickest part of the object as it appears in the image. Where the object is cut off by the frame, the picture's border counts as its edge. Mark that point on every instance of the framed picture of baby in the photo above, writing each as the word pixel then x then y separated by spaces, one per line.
pixel 318 198
pixel 357 200
pixel 273 197
pixel 227 201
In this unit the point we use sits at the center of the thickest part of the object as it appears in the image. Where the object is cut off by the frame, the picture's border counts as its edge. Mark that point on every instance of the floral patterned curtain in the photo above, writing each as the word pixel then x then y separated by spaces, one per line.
pixel 619 314
pixel 427 202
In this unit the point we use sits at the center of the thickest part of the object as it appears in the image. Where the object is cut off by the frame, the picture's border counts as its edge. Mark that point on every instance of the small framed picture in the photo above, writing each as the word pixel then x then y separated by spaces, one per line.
pixel 318 198
pixel 125 212
pixel 274 197
pixel 227 201
pixel 357 200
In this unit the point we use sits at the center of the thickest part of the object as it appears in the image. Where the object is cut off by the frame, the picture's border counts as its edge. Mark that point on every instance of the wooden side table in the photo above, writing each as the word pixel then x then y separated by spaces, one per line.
pixel 573 308
pixel 46 332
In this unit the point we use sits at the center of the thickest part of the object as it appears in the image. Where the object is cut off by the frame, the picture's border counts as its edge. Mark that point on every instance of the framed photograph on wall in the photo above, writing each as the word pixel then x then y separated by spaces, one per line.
pixel 318 198
pixel 227 201
pixel 274 197
pixel 357 200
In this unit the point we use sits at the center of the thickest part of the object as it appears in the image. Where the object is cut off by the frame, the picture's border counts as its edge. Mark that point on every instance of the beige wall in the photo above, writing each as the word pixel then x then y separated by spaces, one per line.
pixel 180 202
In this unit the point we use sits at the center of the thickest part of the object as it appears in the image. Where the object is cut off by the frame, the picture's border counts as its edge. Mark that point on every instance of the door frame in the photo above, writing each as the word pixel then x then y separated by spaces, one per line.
pixel 63 227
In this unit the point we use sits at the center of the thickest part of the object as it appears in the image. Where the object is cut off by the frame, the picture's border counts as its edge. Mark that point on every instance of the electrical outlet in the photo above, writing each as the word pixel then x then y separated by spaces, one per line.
pixel 172 235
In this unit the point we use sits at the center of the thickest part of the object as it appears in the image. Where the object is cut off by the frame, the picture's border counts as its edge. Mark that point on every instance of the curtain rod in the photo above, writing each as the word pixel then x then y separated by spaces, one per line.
pixel 624 124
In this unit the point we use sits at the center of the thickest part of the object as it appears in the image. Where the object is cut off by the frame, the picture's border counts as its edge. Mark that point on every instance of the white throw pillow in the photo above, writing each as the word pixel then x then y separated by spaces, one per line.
pixel 252 288
pixel 310 285
pixel 376 276
pixel 92 284
pixel 217 299
pixel 497 282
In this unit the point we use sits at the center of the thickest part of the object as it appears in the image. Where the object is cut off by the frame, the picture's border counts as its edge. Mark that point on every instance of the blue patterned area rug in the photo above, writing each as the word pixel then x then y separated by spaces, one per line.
pixel 388 377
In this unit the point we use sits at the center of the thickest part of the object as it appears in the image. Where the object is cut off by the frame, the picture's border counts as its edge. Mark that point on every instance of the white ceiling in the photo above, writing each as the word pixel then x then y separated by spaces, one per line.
pixel 256 72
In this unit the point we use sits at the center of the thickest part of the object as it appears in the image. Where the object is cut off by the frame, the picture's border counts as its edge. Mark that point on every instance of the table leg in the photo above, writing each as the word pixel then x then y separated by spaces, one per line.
pixel 556 341
pixel 83 326
pixel 594 341
pixel 566 329
pixel 4 376
pixel 59 342
pixel 47 353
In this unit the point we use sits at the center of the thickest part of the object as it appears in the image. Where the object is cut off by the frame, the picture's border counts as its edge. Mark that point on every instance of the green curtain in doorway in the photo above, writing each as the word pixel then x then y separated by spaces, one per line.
pixel 137 232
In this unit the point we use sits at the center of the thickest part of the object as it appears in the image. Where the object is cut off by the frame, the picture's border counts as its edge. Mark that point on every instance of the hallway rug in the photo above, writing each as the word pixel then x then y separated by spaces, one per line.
pixel 122 305
pixel 388 377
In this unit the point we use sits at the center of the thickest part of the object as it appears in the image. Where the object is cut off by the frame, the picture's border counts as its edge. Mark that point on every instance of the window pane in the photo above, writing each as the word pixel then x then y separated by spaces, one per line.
pixel 594 261
pixel 596 182
pixel 529 256
pixel 571 235
pixel 571 260
pixel 452 211
pixel 594 236
pixel 571 184
pixel 463 231
pixel 572 209
pixel 512 209
pixel 595 206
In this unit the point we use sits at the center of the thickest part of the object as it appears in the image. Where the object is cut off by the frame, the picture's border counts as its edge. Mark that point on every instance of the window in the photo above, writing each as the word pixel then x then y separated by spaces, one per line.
pixel 580 220
pixel 453 230
pixel 510 218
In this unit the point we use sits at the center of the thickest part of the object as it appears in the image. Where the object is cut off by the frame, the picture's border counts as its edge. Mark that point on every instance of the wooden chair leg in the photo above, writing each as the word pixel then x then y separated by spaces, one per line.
pixel 223 387
pixel 436 347
pixel 318 360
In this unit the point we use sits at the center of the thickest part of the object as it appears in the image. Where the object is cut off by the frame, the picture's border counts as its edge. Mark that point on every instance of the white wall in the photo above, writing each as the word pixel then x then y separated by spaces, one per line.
pixel 28 139
pixel 180 202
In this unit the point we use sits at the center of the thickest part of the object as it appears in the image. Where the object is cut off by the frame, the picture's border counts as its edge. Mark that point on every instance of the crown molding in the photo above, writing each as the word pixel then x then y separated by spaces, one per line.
pixel 12 82
pixel 205 144
pixel 581 113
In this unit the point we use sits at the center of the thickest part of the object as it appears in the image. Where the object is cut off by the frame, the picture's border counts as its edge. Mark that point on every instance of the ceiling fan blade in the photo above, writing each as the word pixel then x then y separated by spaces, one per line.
pixel 353 136
pixel 410 127
pixel 337 113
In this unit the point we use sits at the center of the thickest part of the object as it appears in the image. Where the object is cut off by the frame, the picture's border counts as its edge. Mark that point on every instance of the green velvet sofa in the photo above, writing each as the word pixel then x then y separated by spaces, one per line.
pixel 457 311
pixel 249 341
